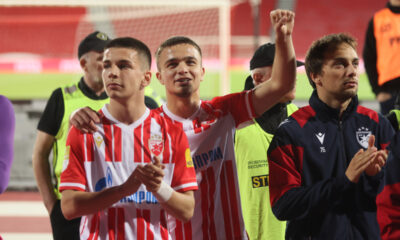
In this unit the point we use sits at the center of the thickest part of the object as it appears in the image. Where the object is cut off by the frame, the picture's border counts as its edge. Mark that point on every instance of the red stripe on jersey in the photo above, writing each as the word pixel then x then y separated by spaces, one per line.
pixel 303 115
pixel 207 186
pixel 212 184
pixel 179 230
pixel 145 142
pixel 204 204
pixel 146 216
pixel 120 224
pixel 111 223
pixel 94 227
pixel 168 155
pixel 225 205
pixel 140 225
pixel 89 147
pixel 285 173
pixel 137 144
pixel 368 112
pixel 233 197
pixel 107 139
pixel 188 230
pixel 117 144
pixel 163 226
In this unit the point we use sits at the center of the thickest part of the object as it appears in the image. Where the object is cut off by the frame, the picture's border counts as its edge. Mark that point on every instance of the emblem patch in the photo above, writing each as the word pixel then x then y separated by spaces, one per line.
pixel 99 140
pixel 362 135
pixel 188 157
pixel 156 144
pixel 320 137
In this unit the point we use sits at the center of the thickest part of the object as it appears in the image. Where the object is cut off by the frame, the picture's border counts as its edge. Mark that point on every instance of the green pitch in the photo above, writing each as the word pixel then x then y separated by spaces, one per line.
pixel 39 86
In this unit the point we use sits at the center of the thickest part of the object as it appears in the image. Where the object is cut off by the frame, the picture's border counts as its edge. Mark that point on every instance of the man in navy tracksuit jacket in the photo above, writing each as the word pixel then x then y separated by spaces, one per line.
pixel 326 159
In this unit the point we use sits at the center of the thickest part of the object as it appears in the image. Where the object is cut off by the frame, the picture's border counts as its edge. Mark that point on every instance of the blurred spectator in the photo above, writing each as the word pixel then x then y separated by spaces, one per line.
pixel 381 55
pixel 251 145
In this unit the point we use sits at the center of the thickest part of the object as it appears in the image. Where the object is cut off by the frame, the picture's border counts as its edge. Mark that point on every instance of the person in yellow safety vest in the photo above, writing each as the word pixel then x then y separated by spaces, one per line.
pixel 394 118
pixel 251 145
pixel 150 93
pixel 54 125
pixel 381 55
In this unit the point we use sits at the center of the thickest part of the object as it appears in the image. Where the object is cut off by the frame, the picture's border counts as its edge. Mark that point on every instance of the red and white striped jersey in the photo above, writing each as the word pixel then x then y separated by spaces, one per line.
pixel 107 157
pixel 210 131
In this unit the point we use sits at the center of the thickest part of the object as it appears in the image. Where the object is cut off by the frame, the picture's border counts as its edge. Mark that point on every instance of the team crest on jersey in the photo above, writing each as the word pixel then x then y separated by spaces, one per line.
pixel 362 135
pixel 156 144
pixel 66 157
pixel 99 140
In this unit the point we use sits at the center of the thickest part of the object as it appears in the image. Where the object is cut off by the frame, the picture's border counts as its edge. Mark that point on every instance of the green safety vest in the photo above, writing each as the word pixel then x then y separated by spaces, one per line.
pixel 73 99
pixel 397 113
pixel 148 91
pixel 251 145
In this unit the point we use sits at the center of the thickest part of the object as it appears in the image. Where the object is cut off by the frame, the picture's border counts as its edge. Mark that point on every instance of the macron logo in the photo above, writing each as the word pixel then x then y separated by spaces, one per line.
pixel 320 137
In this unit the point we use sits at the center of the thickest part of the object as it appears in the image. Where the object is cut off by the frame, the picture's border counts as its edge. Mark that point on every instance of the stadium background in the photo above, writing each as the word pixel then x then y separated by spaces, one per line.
pixel 38 48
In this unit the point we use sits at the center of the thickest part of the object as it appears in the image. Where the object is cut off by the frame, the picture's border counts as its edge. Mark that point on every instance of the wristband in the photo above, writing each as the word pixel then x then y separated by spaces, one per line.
pixel 164 193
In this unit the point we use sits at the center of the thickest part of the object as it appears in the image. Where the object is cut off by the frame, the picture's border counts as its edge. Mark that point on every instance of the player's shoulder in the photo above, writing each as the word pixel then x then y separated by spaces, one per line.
pixel 161 118
pixel 301 117
pixel 369 113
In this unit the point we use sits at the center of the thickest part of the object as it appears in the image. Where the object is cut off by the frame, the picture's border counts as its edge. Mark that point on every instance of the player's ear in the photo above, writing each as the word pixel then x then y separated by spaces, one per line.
pixel 158 75
pixel 147 79
pixel 257 77
pixel 316 78
pixel 82 62
pixel 203 71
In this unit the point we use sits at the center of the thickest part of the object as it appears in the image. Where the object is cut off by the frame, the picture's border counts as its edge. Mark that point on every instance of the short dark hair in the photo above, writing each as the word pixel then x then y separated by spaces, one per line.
pixel 173 41
pixel 320 48
pixel 132 43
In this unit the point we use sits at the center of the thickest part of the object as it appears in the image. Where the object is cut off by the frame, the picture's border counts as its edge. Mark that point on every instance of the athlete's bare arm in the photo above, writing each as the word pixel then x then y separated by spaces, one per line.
pixel 75 203
pixel 41 168
pixel 283 75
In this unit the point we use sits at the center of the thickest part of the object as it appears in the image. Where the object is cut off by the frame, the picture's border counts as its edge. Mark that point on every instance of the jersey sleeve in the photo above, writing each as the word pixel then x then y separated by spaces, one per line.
pixel 239 105
pixel 184 176
pixel 7 127
pixel 73 175
pixel 52 116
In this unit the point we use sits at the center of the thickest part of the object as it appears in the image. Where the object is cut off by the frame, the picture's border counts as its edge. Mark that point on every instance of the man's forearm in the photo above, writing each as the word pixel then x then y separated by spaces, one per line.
pixel 41 168
pixel 180 205
pixel 76 204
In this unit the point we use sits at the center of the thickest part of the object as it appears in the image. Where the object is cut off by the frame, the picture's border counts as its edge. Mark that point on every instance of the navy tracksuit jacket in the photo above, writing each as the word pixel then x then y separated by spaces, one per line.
pixel 308 158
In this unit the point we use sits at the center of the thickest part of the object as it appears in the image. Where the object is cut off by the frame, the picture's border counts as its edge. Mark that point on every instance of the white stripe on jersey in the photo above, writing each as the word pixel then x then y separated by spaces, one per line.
pixel 183 186
pixel 81 186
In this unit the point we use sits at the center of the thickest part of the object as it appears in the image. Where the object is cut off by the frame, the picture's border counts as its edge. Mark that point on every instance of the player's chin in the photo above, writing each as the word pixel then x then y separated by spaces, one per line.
pixel 349 93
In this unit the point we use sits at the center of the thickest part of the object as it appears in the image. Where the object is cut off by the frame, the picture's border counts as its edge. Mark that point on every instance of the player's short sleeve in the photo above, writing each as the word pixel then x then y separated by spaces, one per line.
pixel 73 175
pixel 239 105
pixel 184 176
